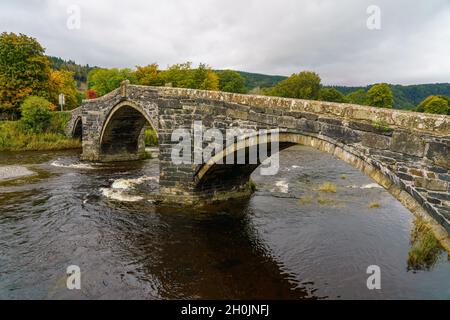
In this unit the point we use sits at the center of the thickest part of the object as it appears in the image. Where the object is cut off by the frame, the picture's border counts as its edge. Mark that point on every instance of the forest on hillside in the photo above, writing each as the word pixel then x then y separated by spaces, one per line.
pixel 405 97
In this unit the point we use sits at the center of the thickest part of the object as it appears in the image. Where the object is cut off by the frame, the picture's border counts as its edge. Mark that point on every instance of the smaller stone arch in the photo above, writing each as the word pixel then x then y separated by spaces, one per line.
pixel 122 134
pixel 210 177
pixel 77 131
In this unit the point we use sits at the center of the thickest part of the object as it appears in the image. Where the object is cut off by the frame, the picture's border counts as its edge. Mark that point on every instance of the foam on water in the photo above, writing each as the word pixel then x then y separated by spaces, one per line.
pixel 120 189
pixel 84 166
pixel 281 186
pixel 119 195
pixel 126 184
pixel 367 186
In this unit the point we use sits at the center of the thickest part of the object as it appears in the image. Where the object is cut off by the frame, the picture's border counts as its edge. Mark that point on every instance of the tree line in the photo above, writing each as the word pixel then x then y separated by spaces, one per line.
pixel 26 71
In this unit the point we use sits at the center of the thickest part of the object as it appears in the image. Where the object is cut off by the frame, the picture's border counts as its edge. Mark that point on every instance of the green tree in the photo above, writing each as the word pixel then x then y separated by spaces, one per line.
pixel 104 81
pixel 36 114
pixel 426 104
pixel 231 81
pixel 304 85
pixel 179 75
pixel 357 97
pixel 331 95
pixel 380 95
pixel 149 75
pixel 24 70
pixel 435 104
pixel 183 76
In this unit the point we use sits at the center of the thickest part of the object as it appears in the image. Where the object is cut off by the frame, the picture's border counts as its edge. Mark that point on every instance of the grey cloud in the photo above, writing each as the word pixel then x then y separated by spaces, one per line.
pixel 277 37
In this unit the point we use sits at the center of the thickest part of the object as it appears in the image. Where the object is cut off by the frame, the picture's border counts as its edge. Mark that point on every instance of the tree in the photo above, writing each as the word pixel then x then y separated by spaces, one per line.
pixel 63 82
pixel 104 81
pixel 331 95
pixel 231 81
pixel 435 104
pixel 304 85
pixel 149 75
pixel 179 75
pixel 210 81
pixel 183 76
pixel 357 97
pixel 380 95
pixel 24 70
pixel 36 114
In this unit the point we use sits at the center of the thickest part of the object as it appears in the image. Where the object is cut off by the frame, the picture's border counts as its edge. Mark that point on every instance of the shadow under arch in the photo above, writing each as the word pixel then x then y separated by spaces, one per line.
pixel 122 135
pixel 77 132
pixel 215 172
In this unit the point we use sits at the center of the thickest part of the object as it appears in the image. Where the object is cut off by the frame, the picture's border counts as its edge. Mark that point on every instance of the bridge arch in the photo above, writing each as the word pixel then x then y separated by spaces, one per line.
pixel 122 133
pixel 214 171
pixel 77 131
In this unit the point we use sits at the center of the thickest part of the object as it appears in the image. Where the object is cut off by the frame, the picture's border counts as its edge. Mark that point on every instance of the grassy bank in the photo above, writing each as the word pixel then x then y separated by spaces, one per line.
pixel 13 136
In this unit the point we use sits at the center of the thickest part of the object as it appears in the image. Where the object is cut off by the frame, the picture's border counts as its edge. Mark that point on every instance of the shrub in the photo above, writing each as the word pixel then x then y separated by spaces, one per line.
pixel 58 122
pixel 12 138
pixel 425 248
pixel 36 114
pixel 328 187
pixel 91 94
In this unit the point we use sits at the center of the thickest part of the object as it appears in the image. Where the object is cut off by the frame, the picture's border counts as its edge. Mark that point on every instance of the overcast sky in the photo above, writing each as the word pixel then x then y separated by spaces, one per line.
pixel 266 36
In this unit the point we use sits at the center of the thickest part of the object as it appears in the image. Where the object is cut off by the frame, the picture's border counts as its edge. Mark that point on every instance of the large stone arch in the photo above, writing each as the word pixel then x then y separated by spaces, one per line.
pixel 121 136
pixel 225 175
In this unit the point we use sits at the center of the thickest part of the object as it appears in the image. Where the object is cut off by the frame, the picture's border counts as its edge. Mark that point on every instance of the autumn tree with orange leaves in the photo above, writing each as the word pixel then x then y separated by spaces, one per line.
pixel 24 71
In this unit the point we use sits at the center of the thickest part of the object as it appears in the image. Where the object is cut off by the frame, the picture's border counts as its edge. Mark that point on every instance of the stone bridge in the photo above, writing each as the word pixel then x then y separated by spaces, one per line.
pixel 405 152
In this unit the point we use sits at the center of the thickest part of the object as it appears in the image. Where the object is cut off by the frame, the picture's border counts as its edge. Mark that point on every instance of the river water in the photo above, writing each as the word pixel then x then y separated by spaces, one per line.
pixel 288 241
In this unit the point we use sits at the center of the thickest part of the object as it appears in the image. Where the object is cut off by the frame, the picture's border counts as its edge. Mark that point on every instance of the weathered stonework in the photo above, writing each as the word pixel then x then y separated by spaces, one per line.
pixel 405 152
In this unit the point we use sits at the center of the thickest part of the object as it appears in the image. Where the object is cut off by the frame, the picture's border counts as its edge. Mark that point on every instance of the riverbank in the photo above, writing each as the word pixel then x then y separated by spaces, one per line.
pixel 13 138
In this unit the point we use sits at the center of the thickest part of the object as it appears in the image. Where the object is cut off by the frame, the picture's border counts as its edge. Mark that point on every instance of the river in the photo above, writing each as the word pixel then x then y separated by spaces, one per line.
pixel 288 241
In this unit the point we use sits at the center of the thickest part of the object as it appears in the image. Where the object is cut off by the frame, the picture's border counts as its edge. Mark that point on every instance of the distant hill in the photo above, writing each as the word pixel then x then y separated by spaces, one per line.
pixel 255 80
pixel 407 97
pixel 80 72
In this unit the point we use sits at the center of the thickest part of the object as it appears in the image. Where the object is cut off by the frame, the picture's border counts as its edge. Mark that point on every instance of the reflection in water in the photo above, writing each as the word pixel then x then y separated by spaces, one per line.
pixel 291 240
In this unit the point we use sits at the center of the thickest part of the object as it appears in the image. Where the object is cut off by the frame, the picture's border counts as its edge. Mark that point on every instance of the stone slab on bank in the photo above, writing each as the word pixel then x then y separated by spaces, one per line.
pixel 14 172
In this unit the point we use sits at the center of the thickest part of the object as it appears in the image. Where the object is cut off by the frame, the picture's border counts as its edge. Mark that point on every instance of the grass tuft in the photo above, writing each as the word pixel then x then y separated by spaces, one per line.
pixel 425 248
pixel 328 187
pixel 374 205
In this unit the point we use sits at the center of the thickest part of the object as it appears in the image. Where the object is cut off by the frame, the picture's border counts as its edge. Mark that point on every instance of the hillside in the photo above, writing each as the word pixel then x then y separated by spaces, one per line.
pixel 80 72
pixel 255 80
pixel 407 97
